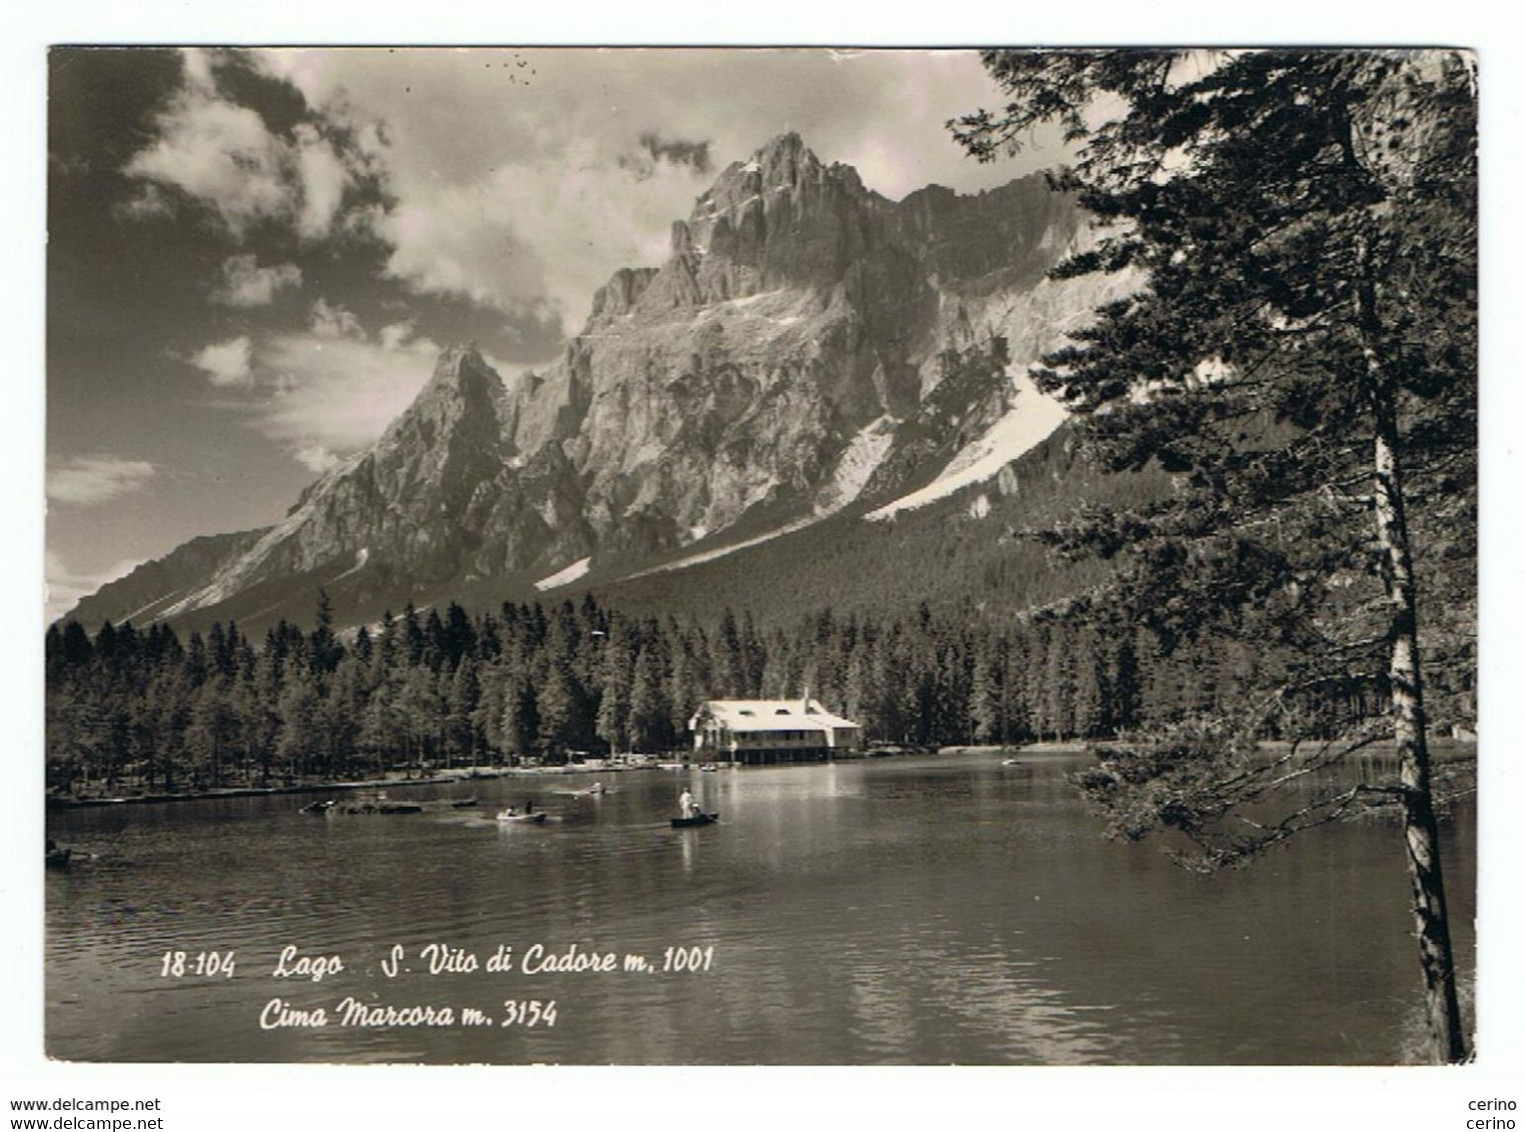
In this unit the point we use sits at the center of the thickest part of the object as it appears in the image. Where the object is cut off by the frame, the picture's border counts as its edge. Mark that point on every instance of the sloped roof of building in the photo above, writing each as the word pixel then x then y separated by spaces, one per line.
pixel 771 715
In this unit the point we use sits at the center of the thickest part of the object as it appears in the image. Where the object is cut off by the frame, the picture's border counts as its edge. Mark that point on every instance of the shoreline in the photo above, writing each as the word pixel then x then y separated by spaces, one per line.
pixel 1443 750
pixel 468 774
pixel 475 774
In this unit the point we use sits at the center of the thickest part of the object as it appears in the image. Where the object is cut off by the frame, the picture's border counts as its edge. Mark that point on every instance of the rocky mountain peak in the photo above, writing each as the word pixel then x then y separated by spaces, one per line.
pixel 779 219
pixel 785 161
pixel 792 358
pixel 785 168
pixel 462 372
pixel 463 393
pixel 787 145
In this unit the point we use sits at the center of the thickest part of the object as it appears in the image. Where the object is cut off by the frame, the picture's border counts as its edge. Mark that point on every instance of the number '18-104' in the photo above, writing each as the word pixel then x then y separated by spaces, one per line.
pixel 176 964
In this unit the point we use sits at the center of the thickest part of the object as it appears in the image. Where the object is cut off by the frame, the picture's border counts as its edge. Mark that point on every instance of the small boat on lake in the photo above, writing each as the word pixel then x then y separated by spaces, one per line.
pixel 380 806
pixel 695 819
pixel 58 856
pixel 369 803
pixel 535 817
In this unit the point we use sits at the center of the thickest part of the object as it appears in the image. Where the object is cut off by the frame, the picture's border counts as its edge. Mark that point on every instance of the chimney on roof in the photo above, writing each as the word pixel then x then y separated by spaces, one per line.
pixel 805 701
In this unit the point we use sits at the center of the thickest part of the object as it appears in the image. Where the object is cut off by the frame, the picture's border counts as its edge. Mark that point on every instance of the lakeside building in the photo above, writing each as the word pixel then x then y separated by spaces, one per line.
pixel 754 732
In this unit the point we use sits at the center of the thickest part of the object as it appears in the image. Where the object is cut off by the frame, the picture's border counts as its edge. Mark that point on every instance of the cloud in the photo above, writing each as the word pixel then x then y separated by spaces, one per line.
pixel 197 64
pixel 150 203
pixel 462 242
pixel 219 153
pixel 245 284
pixel 551 188
pixel 88 480
pixel 324 178
pixel 536 240
pixel 333 388
pixel 396 334
pixel 223 155
pixel 326 389
pixel 678 152
pixel 315 457
pixel 335 322
pixel 226 363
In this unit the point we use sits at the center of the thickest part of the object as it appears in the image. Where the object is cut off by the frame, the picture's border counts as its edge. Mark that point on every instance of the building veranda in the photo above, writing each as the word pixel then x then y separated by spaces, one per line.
pixel 756 732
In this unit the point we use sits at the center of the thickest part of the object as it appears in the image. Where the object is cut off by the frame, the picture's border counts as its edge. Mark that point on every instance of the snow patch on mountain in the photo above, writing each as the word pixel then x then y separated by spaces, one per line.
pixel 142 612
pixel 722 551
pixel 857 463
pixel 361 557
pixel 565 576
pixel 756 491
pixel 1032 418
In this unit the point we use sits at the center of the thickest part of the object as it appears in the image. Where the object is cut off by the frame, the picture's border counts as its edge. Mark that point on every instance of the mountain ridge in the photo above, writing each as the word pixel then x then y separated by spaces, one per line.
pixel 809 346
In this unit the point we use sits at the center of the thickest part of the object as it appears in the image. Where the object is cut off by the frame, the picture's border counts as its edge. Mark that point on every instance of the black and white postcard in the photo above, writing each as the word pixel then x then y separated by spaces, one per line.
pixel 781 556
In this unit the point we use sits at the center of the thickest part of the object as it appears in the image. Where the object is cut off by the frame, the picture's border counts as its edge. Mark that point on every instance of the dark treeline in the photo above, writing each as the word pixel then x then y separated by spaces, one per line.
pixel 144 708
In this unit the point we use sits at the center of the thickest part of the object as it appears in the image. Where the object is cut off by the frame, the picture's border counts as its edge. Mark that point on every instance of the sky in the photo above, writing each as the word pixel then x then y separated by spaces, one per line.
pixel 255 256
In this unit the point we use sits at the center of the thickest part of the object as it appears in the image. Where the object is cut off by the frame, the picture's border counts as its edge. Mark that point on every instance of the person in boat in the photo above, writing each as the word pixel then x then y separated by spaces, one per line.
pixel 529 806
pixel 686 805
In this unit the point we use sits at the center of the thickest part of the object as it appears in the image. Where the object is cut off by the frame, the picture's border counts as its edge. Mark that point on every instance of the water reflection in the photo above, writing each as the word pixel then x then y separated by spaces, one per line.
pixel 948 910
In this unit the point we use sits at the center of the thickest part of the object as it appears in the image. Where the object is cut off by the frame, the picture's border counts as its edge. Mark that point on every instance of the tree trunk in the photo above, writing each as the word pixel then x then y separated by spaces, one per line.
pixel 1421 839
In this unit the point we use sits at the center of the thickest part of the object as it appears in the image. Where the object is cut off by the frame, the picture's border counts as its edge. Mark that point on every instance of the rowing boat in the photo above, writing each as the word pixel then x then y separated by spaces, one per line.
pixel 533 819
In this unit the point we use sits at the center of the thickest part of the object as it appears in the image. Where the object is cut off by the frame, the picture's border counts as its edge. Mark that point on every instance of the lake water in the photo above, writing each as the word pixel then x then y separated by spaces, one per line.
pixel 938 910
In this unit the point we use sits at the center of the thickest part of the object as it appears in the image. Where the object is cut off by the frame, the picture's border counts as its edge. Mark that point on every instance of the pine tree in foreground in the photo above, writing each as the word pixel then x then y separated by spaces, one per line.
pixel 1300 356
